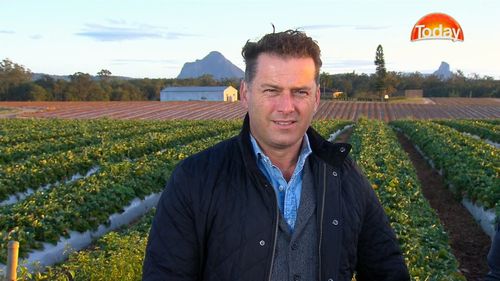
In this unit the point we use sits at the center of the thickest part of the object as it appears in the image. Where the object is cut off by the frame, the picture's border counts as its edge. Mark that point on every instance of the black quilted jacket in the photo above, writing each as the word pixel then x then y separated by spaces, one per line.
pixel 217 219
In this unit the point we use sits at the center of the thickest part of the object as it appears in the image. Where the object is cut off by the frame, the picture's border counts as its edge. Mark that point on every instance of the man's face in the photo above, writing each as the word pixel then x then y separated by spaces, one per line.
pixel 281 100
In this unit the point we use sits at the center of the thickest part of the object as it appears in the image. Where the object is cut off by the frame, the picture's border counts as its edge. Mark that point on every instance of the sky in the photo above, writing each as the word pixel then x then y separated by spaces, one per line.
pixel 153 39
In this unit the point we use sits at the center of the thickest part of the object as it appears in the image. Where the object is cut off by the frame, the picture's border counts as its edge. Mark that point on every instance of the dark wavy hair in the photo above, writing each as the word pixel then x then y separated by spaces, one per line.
pixel 290 43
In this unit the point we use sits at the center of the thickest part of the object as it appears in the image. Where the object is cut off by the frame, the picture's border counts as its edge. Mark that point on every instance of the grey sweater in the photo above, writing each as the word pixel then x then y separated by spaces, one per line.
pixel 296 256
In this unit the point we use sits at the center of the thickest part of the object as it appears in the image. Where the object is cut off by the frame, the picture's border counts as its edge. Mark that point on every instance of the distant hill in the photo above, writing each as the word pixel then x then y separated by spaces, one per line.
pixel 443 71
pixel 214 64
pixel 38 76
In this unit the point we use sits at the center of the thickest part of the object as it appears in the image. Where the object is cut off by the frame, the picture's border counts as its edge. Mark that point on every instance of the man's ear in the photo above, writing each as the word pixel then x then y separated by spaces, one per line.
pixel 244 93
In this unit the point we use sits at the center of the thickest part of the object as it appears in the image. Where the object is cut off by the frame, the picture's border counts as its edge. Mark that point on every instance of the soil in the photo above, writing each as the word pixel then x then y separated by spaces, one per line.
pixel 469 243
pixel 16 112
pixel 344 136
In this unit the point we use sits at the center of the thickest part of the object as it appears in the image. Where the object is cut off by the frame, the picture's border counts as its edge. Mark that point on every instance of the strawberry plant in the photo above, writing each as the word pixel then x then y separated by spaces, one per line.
pixel 391 173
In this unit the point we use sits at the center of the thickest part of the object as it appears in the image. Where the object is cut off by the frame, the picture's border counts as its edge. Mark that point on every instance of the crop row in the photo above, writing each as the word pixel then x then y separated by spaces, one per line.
pixel 118 255
pixel 45 169
pixel 327 127
pixel 16 131
pixel 85 204
pixel 480 128
pixel 38 170
pixel 492 121
pixel 468 164
pixel 393 177
pixel 423 239
pixel 85 137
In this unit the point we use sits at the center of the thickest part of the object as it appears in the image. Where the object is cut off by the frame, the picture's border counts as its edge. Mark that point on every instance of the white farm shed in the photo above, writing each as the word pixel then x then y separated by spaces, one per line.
pixel 224 93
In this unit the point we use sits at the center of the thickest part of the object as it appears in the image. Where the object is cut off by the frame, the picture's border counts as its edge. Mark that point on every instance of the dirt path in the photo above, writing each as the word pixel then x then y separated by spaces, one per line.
pixel 469 243
pixel 344 137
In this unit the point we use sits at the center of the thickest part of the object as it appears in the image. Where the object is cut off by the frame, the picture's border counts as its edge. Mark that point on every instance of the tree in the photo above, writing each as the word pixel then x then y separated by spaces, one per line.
pixel 150 88
pixel 79 86
pixel 325 83
pixel 104 74
pixel 380 73
pixel 37 93
pixel 102 90
pixel 97 93
pixel 125 91
pixel 12 75
pixel 391 82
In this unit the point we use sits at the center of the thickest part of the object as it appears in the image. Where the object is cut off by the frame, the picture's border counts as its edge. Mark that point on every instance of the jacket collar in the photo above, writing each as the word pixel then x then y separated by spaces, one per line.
pixel 331 153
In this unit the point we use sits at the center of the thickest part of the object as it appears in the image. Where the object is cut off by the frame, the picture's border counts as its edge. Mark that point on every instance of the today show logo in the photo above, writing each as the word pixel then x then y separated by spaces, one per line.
pixel 437 26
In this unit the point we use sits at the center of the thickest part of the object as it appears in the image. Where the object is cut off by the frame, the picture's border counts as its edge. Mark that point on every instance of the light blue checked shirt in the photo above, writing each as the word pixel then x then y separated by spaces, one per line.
pixel 288 193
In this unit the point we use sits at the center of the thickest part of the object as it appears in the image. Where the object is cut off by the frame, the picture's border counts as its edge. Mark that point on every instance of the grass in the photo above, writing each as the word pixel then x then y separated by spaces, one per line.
pixel 408 100
pixel 4 110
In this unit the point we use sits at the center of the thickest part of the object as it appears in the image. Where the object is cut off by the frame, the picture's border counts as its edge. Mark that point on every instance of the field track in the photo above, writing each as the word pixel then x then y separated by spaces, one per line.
pixel 436 108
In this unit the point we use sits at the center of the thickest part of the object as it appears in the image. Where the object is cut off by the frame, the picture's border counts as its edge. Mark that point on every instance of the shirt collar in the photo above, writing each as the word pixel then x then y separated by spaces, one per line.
pixel 305 150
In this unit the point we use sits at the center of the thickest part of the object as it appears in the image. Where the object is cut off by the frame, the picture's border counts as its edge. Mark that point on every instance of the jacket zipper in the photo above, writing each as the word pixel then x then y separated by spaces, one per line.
pixel 321 221
pixel 275 234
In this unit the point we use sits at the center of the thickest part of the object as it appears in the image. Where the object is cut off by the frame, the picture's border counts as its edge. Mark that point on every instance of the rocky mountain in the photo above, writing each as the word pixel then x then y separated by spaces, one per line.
pixel 214 64
pixel 443 71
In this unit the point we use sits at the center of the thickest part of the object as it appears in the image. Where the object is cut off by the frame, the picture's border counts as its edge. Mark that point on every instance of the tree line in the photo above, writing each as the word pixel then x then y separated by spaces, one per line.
pixel 364 86
pixel 16 84
pixel 391 83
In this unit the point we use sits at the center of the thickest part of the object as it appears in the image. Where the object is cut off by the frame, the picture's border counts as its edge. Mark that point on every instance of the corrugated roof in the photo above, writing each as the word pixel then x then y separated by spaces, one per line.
pixel 195 89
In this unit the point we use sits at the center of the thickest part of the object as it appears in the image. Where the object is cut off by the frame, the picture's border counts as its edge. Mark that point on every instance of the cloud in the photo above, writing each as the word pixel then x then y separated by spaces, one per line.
pixel 120 31
pixel 6 32
pixel 36 36
pixel 321 26
pixel 148 61
pixel 343 63
pixel 332 26
pixel 371 27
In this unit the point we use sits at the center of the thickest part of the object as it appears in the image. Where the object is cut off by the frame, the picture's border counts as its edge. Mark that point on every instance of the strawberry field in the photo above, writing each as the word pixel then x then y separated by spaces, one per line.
pixel 63 177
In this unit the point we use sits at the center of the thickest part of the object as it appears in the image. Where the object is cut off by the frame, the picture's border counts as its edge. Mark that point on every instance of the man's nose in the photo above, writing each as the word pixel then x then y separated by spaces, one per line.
pixel 285 103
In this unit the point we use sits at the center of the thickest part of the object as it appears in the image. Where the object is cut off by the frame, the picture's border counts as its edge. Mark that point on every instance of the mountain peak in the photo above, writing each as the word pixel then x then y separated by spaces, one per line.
pixel 214 54
pixel 214 64
pixel 443 71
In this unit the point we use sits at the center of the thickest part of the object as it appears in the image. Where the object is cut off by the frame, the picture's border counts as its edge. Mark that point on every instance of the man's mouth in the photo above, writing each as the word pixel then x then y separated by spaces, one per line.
pixel 284 123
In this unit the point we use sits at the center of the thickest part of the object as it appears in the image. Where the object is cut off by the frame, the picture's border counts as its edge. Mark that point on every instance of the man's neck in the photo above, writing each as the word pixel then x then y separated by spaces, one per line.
pixel 284 159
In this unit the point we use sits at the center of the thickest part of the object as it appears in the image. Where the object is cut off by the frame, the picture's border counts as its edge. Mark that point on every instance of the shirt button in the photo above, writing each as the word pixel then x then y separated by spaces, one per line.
pixel 296 277
pixel 342 149
pixel 262 242
pixel 281 188
pixel 334 173
pixel 295 246
pixel 335 222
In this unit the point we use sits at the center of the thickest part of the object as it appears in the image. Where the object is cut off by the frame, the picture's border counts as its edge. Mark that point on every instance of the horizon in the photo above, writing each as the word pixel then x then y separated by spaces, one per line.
pixel 63 76
pixel 155 40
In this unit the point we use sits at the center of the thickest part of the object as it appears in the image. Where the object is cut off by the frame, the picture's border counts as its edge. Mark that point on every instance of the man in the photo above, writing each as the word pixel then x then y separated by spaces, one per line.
pixel 274 202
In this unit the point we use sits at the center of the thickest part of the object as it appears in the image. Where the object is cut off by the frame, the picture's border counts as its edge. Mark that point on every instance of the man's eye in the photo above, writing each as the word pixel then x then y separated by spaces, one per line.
pixel 270 91
pixel 302 93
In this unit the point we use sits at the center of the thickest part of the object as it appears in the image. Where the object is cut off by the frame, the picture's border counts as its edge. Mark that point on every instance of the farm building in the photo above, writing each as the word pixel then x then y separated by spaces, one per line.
pixel 199 94
pixel 338 95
